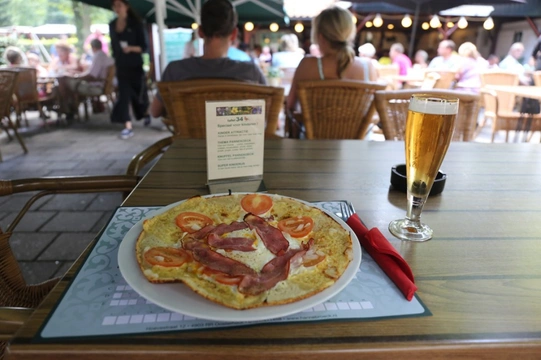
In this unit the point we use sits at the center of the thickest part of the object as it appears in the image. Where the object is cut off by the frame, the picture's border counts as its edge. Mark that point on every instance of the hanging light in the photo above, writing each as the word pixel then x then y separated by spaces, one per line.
pixel 274 27
pixel 390 26
pixel 488 24
pixel 195 26
pixel 378 21
pixel 406 21
pixel 299 27
pixel 425 26
pixel 462 23
pixel 354 18
pixel 450 24
pixel 249 26
pixel 368 24
pixel 435 22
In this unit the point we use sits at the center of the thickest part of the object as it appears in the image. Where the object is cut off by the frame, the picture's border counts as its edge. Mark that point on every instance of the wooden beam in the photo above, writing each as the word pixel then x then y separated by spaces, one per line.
pixel 533 26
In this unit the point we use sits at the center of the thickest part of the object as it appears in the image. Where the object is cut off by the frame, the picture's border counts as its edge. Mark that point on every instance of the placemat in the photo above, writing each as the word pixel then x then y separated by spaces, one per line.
pixel 99 302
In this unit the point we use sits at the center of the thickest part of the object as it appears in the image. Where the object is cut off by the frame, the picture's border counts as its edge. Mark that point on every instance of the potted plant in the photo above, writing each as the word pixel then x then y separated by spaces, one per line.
pixel 274 76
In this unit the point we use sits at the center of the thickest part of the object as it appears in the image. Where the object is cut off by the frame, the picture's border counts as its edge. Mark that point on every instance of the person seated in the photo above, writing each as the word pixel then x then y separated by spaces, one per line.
pixel 446 59
pixel 493 61
pixel 265 57
pixel 35 62
pixel 400 59
pixel 236 53
pixel 368 51
pixel 290 55
pixel 468 75
pixel 333 30
pixel 421 58
pixel 15 57
pixel 511 63
pixel 219 30
pixel 65 63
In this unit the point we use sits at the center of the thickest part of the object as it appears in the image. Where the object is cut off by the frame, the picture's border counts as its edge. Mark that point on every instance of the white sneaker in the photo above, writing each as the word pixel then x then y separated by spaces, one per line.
pixel 126 134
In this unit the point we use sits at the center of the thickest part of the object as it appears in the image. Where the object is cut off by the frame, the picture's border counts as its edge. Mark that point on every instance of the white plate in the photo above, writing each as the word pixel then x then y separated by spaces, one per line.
pixel 179 298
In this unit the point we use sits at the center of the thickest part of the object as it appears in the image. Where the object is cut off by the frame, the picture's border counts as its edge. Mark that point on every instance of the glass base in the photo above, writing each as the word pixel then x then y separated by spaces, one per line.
pixel 408 230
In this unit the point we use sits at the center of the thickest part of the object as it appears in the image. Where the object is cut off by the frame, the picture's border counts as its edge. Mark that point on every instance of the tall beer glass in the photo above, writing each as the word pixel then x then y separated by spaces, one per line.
pixel 429 129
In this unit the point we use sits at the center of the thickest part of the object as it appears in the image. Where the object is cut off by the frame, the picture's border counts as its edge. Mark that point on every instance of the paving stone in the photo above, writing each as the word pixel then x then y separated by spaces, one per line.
pixel 103 172
pixel 75 221
pixel 95 164
pixel 37 272
pixel 3 214
pixel 102 222
pixel 16 202
pixel 67 172
pixel 106 201
pixel 63 165
pixel 120 164
pixel 67 246
pixel 31 221
pixel 27 246
pixel 69 202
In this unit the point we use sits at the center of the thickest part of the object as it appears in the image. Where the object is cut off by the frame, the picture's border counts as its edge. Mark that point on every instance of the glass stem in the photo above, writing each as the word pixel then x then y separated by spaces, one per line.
pixel 415 207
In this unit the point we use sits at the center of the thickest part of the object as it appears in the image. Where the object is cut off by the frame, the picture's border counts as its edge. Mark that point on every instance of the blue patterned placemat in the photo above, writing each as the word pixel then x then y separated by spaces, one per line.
pixel 99 302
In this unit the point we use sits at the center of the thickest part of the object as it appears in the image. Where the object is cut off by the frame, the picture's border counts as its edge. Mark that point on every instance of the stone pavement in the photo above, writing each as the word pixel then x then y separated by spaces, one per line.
pixel 58 228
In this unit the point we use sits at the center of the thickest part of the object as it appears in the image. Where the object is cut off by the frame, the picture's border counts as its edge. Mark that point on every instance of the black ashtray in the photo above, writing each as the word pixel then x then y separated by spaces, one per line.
pixel 399 180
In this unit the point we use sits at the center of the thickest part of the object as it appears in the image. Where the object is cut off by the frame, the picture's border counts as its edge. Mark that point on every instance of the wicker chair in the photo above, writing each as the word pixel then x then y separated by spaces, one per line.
pixel 445 80
pixel 537 78
pixel 15 293
pixel 334 109
pixel 387 74
pixel 27 95
pixel 185 102
pixel 108 91
pixel 392 107
pixel 139 161
pixel 8 79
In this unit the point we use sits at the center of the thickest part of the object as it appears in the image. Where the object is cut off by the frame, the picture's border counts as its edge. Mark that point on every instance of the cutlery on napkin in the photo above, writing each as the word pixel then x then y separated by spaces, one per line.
pixel 385 255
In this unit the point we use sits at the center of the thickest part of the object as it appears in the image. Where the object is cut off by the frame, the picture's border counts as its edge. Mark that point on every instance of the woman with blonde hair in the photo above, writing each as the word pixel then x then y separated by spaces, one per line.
pixel 467 76
pixel 333 30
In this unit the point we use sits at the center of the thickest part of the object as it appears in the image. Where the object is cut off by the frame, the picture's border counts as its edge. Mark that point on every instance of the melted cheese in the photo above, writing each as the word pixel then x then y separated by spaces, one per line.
pixel 254 259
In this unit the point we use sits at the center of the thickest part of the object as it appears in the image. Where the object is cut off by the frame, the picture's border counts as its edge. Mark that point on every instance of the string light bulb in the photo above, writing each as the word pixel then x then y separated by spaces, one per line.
pixel 354 18
pixel 488 24
pixel 435 22
pixel 390 26
pixel 299 27
pixel 406 21
pixel 249 26
pixel 378 21
pixel 462 23
pixel 274 27
pixel 425 26
pixel 450 24
pixel 369 24
pixel 195 26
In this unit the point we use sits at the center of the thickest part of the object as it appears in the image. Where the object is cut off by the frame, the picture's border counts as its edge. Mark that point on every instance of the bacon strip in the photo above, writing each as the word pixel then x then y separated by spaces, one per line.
pixel 273 238
pixel 230 243
pixel 218 262
pixel 274 271
pixel 223 228
pixel 201 234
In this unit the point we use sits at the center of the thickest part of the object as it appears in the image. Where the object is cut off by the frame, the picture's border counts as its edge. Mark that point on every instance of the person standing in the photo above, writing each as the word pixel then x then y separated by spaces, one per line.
pixel 128 42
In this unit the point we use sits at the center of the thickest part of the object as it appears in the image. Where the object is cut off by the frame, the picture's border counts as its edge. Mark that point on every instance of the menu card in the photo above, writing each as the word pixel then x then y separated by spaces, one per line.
pixel 235 139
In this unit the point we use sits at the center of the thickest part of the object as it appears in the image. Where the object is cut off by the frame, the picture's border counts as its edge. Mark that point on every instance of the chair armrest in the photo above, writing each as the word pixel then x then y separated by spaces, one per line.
pixel 294 124
pixel 11 319
pixel 144 157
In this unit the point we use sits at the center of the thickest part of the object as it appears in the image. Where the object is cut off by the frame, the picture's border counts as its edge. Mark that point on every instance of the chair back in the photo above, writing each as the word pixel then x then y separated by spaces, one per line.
pixel 388 73
pixel 8 78
pixel 506 101
pixel 185 102
pixel 537 78
pixel 26 86
pixel 445 80
pixel 430 80
pixel 108 86
pixel 337 109
pixel 392 107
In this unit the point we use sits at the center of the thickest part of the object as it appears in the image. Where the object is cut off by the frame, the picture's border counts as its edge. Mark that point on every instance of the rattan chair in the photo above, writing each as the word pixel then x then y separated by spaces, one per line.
pixel 185 102
pixel 392 107
pixel 108 91
pixel 445 80
pixel 334 109
pixel 8 79
pixel 387 74
pixel 139 161
pixel 28 97
pixel 537 78
pixel 15 293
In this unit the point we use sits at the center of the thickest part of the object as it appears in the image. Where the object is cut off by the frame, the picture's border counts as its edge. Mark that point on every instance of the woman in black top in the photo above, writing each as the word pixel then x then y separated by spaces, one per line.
pixel 128 42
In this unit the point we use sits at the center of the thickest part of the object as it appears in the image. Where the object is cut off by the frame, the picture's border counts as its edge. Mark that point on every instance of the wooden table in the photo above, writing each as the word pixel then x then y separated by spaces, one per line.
pixel 480 275
pixel 532 92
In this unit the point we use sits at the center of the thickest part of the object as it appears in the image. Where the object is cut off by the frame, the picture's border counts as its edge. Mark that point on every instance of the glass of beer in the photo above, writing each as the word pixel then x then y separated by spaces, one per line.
pixel 429 129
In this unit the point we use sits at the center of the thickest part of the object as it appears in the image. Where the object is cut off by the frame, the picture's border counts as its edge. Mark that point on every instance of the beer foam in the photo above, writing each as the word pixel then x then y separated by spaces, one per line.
pixel 433 105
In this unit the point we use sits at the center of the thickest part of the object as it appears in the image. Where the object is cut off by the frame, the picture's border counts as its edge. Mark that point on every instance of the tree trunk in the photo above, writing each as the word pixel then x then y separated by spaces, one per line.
pixel 81 14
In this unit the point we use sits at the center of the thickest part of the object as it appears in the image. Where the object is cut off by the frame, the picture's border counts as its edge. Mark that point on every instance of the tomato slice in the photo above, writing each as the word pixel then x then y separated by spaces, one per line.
pixel 167 256
pixel 297 227
pixel 256 204
pixel 191 222
pixel 221 277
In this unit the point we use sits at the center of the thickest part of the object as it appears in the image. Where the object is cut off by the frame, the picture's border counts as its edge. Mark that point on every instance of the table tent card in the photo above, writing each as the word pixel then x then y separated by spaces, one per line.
pixel 235 139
